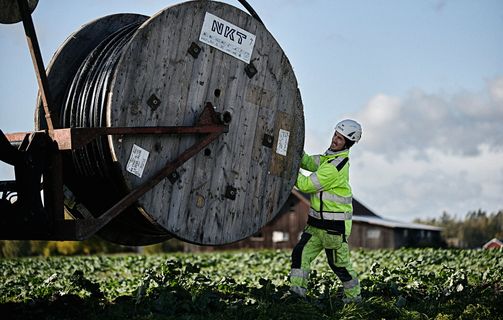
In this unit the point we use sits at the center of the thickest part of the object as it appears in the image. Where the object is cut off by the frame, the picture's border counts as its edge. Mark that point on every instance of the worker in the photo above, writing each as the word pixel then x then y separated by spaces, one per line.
pixel 329 220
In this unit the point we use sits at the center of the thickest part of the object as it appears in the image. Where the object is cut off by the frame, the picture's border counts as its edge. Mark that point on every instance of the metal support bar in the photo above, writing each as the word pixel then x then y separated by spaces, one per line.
pixel 74 138
pixel 38 63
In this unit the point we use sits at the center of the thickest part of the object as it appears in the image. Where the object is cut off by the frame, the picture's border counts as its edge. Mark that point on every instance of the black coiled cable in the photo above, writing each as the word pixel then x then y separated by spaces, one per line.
pixel 85 101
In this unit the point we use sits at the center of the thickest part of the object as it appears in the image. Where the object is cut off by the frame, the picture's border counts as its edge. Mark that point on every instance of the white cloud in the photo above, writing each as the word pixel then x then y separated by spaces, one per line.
pixel 6 171
pixel 409 187
pixel 458 124
pixel 424 153
pixel 496 89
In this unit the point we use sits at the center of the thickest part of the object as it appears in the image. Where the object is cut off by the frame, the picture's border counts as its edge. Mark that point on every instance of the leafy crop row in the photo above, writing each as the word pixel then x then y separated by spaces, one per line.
pixel 401 284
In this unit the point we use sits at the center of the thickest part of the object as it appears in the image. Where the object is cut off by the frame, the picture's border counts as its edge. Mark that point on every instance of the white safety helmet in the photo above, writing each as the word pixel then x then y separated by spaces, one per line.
pixel 350 129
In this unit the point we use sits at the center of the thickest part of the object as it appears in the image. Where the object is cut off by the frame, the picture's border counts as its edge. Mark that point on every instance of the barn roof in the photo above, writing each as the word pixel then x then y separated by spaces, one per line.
pixel 393 223
pixel 361 210
pixel 495 241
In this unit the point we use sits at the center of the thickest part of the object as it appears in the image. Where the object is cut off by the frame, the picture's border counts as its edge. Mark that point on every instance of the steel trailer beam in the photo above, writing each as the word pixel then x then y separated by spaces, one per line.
pixel 31 223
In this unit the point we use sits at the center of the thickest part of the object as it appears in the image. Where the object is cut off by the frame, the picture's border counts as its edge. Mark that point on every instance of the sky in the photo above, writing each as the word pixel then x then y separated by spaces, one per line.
pixel 424 78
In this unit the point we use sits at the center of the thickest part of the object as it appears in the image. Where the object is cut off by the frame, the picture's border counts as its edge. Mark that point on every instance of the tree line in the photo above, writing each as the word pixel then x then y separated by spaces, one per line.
pixel 93 245
pixel 472 231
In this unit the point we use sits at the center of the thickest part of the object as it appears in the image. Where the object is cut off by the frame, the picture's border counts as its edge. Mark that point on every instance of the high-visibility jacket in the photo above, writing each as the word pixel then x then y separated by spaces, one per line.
pixel 328 184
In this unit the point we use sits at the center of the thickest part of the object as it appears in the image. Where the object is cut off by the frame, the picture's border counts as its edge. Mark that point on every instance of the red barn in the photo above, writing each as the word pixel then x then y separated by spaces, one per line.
pixel 493 244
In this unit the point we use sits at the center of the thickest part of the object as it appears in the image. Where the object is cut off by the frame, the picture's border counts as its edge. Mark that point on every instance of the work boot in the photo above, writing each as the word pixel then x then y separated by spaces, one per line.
pixel 299 291
pixel 355 300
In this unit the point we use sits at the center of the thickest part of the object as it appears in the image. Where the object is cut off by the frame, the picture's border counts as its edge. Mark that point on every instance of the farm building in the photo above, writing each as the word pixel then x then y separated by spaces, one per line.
pixel 493 244
pixel 369 230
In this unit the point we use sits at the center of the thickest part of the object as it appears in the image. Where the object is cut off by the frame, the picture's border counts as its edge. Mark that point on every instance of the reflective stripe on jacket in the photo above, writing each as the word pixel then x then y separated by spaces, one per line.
pixel 328 183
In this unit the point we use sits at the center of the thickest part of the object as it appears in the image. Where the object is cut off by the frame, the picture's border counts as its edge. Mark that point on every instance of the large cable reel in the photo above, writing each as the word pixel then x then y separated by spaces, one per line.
pixel 128 70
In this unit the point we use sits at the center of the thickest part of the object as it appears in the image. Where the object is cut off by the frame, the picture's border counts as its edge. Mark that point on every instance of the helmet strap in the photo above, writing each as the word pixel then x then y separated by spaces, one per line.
pixel 348 144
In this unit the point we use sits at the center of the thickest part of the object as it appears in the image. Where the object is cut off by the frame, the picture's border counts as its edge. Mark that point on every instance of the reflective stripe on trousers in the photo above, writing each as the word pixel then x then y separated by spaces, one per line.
pixel 311 243
pixel 299 273
pixel 351 283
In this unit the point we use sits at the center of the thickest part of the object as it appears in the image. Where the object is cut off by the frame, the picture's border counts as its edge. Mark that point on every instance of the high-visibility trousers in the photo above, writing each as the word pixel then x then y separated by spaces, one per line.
pixel 312 241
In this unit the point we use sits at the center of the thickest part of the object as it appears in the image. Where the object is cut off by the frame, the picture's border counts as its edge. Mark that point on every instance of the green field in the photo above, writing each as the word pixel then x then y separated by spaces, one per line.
pixel 400 284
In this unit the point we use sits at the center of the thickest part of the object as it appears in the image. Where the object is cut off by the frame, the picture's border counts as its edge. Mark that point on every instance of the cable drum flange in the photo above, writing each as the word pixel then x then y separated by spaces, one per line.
pixel 85 106
pixel 96 185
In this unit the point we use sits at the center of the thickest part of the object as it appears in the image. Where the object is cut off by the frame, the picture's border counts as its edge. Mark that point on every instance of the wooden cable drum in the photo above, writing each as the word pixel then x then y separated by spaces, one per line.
pixel 162 73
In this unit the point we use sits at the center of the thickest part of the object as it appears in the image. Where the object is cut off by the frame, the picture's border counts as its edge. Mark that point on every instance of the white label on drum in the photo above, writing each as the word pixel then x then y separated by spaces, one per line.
pixel 282 146
pixel 227 37
pixel 137 161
